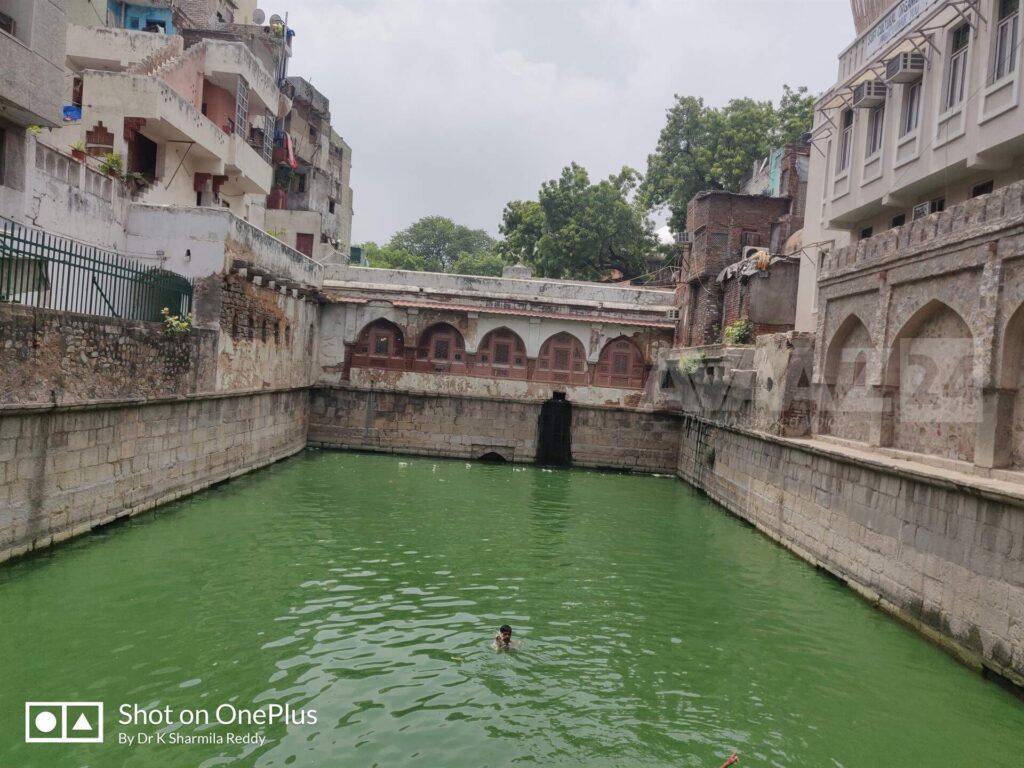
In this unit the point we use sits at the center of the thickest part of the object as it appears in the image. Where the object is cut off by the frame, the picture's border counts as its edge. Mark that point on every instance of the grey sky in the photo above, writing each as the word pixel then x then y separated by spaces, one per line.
pixel 454 107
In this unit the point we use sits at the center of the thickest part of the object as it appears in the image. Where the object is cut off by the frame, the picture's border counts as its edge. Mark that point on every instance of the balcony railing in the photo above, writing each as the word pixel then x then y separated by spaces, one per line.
pixel 38 269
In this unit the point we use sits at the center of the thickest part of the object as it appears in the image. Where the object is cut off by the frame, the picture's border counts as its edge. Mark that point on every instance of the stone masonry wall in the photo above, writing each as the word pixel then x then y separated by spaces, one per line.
pixel 944 557
pixel 465 427
pixel 64 471
pixel 49 356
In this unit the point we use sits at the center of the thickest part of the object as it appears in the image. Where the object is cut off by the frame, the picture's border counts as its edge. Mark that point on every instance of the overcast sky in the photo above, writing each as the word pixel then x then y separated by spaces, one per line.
pixel 455 107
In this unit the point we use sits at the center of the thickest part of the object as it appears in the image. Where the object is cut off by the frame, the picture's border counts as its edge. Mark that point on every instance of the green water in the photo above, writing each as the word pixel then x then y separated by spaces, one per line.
pixel 656 631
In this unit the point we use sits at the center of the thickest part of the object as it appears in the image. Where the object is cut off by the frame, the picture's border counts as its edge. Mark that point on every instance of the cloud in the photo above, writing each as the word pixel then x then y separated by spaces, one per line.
pixel 455 107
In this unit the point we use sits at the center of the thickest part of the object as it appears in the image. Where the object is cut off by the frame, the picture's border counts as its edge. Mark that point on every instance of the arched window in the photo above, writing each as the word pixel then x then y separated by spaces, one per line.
pixel 501 354
pixel 380 345
pixel 563 360
pixel 441 349
pixel 621 365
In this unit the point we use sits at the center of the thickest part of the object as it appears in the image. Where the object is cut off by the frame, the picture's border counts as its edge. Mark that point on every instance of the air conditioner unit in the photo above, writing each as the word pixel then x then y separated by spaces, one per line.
pixel 905 68
pixel 924 209
pixel 750 251
pixel 870 94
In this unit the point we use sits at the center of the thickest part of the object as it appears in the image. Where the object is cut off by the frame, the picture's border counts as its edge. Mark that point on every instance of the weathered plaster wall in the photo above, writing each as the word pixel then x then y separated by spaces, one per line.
pixel 946 557
pixel 469 427
pixel 49 356
pixel 66 470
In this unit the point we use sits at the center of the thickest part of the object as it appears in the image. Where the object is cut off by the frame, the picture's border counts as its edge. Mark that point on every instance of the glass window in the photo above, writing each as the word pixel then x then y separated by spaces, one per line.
pixel 985 188
pixel 845 141
pixel 911 108
pixel 561 360
pixel 1007 34
pixel 876 130
pixel 381 345
pixel 956 77
pixel 442 349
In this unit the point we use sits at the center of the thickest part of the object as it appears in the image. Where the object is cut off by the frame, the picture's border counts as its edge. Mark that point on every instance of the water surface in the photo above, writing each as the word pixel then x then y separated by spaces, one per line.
pixel 657 630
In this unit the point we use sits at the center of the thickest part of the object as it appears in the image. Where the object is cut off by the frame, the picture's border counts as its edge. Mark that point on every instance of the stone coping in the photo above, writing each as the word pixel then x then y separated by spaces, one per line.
pixel 493 398
pixel 999 490
pixel 23 409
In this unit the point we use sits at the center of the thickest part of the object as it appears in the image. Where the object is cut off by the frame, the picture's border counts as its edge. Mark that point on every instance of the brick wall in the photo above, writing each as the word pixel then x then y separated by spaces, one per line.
pixel 48 356
pixel 66 470
pixel 463 427
pixel 947 559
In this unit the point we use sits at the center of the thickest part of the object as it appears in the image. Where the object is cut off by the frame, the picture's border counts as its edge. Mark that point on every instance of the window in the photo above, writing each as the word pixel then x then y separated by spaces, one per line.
pixel 876 129
pixel 866 233
pixel 561 362
pixel 985 188
pixel 911 108
pixel 330 206
pixel 956 76
pixel 1005 60
pixel 442 349
pixel 502 353
pixel 7 24
pixel 899 221
pixel 845 142
pixel 3 153
pixel 382 345
pixel 241 106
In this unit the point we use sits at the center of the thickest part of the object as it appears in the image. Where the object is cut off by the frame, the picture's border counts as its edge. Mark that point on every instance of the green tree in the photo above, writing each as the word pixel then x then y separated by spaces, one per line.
pixel 391 258
pixel 440 241
pixel 702 147
pixel 580 230
pixel 486 264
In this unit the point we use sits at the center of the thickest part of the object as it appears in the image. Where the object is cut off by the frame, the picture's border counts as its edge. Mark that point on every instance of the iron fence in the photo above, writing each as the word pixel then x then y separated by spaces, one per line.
pixel 38 269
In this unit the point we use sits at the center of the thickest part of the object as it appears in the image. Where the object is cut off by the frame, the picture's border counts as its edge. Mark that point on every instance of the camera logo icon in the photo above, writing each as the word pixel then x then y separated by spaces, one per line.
pixel 63 722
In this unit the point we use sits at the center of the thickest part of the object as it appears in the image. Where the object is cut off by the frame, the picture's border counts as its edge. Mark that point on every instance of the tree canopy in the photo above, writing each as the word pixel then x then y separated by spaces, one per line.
pixel 578 229
pixel 391 258
pixel 704 147
pixel 440 242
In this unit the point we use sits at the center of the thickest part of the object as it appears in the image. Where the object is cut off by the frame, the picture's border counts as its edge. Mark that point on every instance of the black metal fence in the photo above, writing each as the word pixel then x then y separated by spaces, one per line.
pixel 38 269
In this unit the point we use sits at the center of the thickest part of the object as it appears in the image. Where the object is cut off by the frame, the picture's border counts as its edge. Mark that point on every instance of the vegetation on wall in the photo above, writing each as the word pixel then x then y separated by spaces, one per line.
pixel 740 332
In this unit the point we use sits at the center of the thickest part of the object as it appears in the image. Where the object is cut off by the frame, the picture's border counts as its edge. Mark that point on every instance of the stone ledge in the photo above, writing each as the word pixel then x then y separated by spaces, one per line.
pixel 22 409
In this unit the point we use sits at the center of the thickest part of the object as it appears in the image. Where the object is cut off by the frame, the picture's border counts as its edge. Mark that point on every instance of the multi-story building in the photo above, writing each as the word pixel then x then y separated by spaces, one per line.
pixel 310 207
pixel 31 86
pixel 914 284
pixel 925 114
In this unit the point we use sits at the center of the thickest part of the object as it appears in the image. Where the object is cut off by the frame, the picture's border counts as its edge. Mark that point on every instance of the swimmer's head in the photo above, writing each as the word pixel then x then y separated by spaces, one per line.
pixel 506 632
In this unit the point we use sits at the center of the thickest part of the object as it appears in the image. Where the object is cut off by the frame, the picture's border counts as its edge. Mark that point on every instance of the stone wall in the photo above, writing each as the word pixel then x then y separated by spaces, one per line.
pixel 946 557
pixel 466 427
pixel 48 356
pixel 65 470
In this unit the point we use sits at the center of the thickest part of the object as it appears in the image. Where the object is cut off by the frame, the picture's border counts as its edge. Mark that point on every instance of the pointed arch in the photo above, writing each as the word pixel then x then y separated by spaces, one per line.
pixel 562 359
pixel 621 364
pixel 930 378
pixel 441 349
pixel 381 344
pixel 1011 381
pixel 848 358
pixel 501 354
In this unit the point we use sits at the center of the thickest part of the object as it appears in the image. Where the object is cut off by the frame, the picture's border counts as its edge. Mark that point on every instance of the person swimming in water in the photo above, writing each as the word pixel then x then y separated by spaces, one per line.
pixel 503 640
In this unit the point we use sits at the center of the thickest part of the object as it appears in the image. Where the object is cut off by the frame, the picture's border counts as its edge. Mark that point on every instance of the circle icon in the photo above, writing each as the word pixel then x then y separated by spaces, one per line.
pixel 46 722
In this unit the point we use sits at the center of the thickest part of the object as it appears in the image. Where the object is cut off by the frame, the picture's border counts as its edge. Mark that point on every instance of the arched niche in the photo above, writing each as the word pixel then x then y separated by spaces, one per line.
pixel 562 360
pixel 621 364
pixel 930 378
pixel 849 407
pixel 501 354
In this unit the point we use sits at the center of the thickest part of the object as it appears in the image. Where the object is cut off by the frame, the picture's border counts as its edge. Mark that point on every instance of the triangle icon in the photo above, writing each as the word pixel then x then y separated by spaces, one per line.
pixel 82 724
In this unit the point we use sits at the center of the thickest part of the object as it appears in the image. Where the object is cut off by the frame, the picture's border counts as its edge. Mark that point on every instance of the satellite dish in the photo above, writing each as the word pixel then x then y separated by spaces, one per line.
pixel 258 16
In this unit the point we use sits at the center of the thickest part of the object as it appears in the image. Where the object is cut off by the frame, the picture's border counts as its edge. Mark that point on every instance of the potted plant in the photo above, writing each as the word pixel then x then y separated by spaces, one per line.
pixel 111 164
pixel 134 180
pixel 78 151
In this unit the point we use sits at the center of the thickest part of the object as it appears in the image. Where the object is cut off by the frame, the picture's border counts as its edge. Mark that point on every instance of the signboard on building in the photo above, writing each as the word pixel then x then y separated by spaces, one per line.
pixel 894 22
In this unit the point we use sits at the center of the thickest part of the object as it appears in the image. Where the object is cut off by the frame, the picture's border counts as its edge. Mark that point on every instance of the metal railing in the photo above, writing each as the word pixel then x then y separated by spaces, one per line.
pixel 38 269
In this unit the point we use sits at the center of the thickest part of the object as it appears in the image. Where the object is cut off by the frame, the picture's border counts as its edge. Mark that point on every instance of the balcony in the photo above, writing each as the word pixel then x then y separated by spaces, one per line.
pixel 226 61
pixel 114 96
pixel 111 49
pixel 254 173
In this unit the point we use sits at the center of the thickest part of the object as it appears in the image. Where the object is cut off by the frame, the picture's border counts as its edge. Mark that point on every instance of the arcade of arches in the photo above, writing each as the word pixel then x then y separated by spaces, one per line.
pixel 501 354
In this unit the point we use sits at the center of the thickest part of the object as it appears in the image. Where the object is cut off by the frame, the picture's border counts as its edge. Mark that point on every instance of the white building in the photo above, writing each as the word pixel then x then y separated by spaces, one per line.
pixel 925 114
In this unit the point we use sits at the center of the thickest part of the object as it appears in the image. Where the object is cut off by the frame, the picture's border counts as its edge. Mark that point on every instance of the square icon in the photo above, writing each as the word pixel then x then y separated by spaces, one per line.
pixel 63 722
